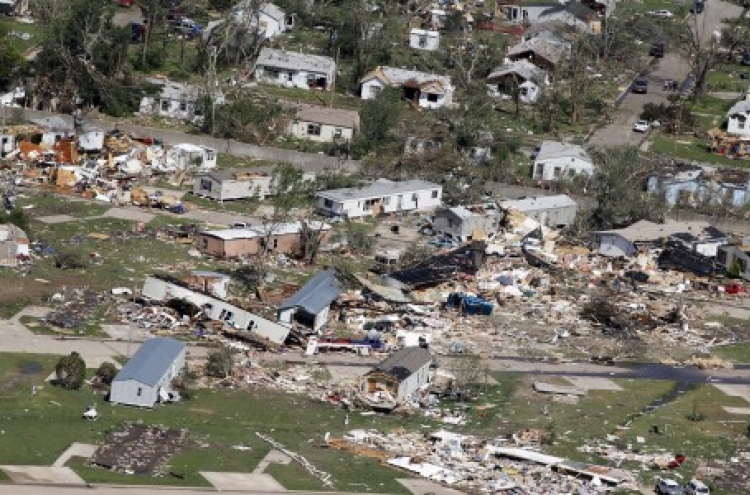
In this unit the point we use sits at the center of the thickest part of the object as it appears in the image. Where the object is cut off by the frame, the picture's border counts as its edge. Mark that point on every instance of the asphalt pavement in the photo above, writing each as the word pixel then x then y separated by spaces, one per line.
pixel 619 130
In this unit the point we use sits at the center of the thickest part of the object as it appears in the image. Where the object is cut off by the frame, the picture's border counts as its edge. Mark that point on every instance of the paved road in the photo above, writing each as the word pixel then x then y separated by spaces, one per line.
pixel 619 131
pixel 131 490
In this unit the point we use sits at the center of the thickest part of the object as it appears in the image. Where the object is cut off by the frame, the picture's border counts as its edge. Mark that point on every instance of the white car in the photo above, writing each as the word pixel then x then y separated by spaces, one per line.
pixel 642 126
pixel 696 487
pixel 664 14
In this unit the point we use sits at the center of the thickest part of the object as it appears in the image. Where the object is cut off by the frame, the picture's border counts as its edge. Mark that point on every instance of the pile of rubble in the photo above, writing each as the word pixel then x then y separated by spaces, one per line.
pixel 480 465
pixel 136 448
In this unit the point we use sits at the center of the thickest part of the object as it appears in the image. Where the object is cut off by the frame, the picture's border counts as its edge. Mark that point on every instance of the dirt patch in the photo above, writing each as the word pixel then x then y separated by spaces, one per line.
pixel 30 368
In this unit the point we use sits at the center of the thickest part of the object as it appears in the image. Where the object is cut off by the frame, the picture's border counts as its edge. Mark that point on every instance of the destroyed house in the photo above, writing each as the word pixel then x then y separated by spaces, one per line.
pixel 545 53
pixel 701 236
pixel 467 223
pixel 310 305
pixel 237 243
pixel 146 378
pixel 401 374
pixel 175 100
pixel 420 88
pixel 381 197
pixel 236 320
pixel 438 268
pixel 687 184
pixel 296 70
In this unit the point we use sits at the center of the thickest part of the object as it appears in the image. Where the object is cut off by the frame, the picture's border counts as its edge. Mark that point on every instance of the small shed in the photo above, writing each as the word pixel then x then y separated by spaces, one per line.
pixel 310 305
pixel 402 374
pixel 146 378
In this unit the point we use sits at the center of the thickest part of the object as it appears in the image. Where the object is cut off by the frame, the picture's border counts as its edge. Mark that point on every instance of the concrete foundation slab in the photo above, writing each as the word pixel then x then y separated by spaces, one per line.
pixel 42 475
pixel 128 214
pixel 53 219
pixel 76 449
pixel 593 383
pixel 745 411
pixel 237 482
pixel 735 390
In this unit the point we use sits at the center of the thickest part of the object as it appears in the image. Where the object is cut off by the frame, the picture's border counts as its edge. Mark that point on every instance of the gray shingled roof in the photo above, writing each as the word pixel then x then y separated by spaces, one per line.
pixel 741 107
pixel 281 59
pixel 405 362
pixel 318 293
pixel 151 362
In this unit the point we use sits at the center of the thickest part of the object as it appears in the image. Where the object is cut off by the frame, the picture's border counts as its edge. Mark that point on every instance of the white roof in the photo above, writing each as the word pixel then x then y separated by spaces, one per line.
pixel 741 107
pixel 191 147
pixel 539 203
pixel 232 234
pixel 556 149
pixel 379 188
pixel 424 32
pixel 281 59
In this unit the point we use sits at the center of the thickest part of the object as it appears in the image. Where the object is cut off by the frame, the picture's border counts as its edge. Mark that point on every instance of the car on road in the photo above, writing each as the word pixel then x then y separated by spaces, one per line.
pixel 745 59
pixel 642 126
pixel 696 487
pixel 664 14
pixel 640 85
pixel 665 486
pixel 699 6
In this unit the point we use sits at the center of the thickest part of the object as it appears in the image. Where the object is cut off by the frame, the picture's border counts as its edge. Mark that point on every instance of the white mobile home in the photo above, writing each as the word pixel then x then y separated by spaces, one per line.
pixel 323 124
pixel 190 157
pixel 146 378
pixel 422 39
pixel 227 185
pixel 159 288
pixel 295 70
pixel 555 161
pixel 380 197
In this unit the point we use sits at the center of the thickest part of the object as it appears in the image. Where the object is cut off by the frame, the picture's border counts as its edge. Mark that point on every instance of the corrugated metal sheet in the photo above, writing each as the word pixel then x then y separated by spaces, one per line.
pixel 152 361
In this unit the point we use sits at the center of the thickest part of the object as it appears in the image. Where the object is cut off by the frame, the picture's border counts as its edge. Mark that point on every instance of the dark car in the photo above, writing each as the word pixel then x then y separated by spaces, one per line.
pixel 657 49
pixel 640 85
pixel 698 7
pixel 745 59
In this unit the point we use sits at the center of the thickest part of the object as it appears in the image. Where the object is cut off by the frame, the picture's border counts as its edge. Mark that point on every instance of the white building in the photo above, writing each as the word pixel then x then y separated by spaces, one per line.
pixel 176 101
pixel 266 20
pixel 295 70
pixel 556 160
pixel 187 156
pixel 146 378
pixel 309 307
pixel 553 211
pixel 422 39
pixel 738 118
pixel 521 76
pixel 14 244
pixel 227 185
pixel 90 138
pixel 381 197
pixel 323 124
pixel 421 88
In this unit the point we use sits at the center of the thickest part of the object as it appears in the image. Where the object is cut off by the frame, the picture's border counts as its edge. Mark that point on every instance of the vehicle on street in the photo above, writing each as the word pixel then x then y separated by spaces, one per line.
pixel 698 7
pixel 745 59
pixel 187 27
pixel 640 85
pixel 696 487
pixel 642 126
pixel 665 486
pixel 664 14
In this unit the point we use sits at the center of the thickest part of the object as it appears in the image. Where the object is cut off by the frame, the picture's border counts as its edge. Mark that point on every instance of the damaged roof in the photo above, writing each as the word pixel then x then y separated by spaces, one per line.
pixel 539 203
pixel 281 59
pixel 645 231
pixel 405 77
pixel 379 188
pixel 523 68
pixel 548 49
pixel 405 362
pixel 317 294
pixel 151 362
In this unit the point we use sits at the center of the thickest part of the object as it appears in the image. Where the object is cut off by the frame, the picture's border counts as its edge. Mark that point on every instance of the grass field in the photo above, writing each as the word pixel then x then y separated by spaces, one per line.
pixel 41 427
pixel 738 353
pixel 692 149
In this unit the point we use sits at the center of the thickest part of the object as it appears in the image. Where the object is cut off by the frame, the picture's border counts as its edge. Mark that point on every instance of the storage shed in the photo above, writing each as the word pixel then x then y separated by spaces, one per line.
pixel 145 379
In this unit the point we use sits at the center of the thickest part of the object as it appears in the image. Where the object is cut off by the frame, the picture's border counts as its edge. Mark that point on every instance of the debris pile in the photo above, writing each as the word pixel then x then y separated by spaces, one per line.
pixel 136 448
pixel 480 465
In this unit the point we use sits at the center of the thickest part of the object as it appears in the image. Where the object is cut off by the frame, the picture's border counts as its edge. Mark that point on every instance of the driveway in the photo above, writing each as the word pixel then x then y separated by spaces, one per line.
pixel 619 130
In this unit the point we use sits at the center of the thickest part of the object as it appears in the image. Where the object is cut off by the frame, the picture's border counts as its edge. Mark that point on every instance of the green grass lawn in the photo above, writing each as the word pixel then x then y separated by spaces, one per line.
pixel 726 77
pixel 46 204
pixel 738 353
pixel 694 149
pixel 42 426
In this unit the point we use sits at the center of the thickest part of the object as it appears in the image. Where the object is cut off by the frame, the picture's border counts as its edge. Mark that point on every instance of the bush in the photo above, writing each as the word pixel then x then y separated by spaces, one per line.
pixel 70 371
pixel 106 372
pixel 69 260
pixel 220 363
